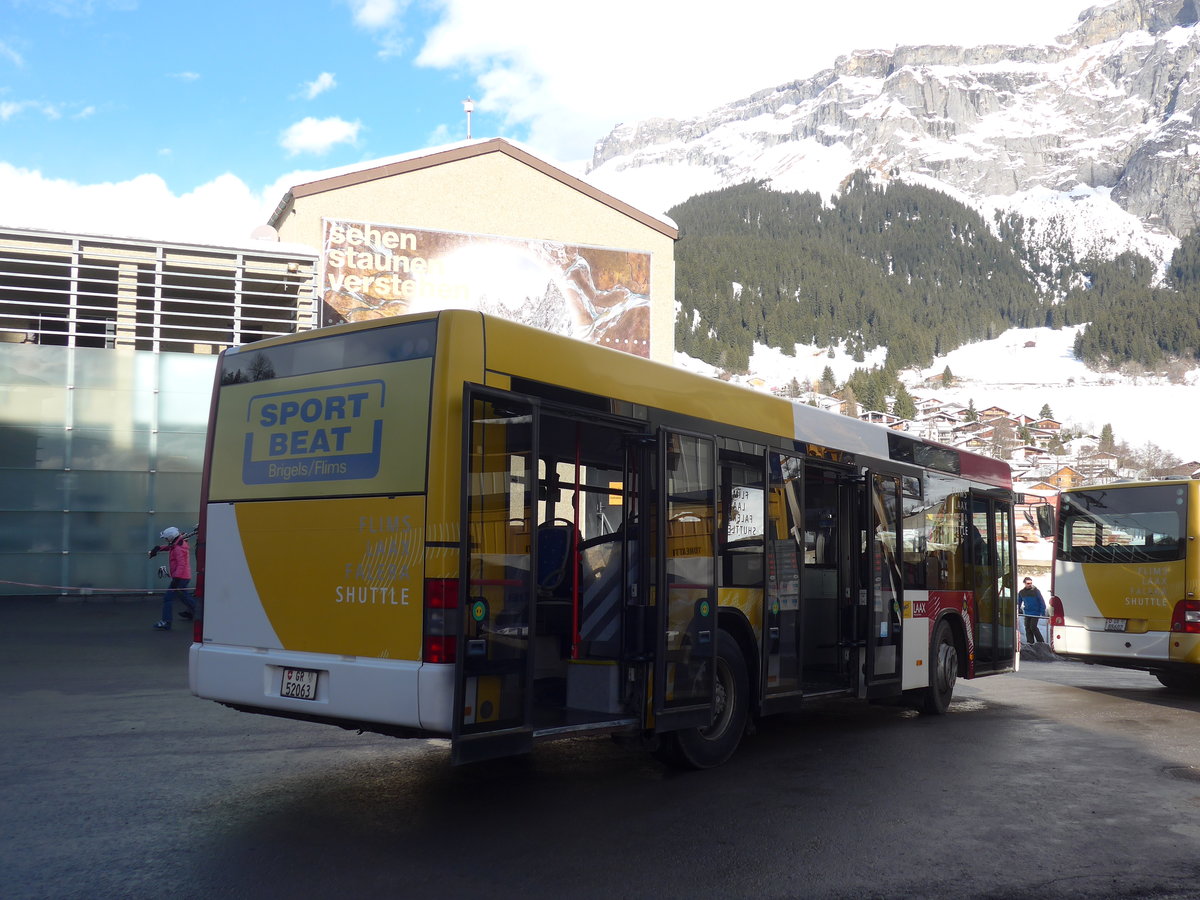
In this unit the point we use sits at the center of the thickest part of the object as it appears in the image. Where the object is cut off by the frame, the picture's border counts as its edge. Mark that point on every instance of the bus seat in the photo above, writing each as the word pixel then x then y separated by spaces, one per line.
pixel 555 544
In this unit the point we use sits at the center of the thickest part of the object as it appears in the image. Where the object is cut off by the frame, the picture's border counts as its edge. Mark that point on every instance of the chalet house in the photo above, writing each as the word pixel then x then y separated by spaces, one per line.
pixel 1048 424
pixel 1066 477
pixel 1031 455
pixel 878 418
pixel 937 426
pixel 975 442
pixel 927 404
pixel 973 428
pixel 1101 459
pixel 1043 486
pixel 993 412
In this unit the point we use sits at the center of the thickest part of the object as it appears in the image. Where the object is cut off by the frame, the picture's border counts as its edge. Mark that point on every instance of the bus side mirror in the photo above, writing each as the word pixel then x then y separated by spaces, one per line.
pixel 1045 520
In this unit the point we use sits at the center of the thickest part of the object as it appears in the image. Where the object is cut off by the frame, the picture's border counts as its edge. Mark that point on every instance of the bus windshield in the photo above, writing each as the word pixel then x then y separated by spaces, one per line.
pixel 1122 526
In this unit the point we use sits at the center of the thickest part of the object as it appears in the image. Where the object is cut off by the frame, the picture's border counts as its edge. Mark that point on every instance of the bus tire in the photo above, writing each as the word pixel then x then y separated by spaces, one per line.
pixel 943 670
pixel 706 748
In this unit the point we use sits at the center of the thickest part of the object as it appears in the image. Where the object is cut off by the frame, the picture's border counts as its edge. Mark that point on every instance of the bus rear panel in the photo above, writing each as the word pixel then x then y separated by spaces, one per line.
pixel 315 533
pixel 1125 577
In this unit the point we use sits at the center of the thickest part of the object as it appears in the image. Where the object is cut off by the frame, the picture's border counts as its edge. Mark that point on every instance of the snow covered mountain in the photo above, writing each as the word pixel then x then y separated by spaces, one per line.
pixel 1096 137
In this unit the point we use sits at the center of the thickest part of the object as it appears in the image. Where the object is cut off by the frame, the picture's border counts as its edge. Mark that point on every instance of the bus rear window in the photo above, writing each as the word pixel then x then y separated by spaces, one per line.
pixel 1121 526
pixel 395 343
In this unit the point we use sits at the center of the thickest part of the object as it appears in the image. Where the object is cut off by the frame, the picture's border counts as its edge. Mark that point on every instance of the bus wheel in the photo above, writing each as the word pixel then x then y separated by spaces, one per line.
pixel 943 670
pixel 704 748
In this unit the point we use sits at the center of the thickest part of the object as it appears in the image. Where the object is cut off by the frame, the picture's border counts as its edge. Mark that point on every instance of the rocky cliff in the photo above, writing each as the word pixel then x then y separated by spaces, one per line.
pixel 1111 111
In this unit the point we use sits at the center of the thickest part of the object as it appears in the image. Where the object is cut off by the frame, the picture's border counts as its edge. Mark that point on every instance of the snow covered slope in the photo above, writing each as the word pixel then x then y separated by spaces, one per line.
pixel 1020 371
pixel 1098 136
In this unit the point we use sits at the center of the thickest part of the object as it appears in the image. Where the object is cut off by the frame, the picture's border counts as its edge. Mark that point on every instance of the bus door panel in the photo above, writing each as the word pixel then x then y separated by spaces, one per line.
pixel 686 595
pixel 824 624
pixel 884 590
pixel 494 662
pixel 788 542
pixel 990 576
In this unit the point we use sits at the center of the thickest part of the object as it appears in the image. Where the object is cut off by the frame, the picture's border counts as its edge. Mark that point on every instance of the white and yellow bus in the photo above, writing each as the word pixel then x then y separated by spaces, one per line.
pixel 1126 575
pixel 452 525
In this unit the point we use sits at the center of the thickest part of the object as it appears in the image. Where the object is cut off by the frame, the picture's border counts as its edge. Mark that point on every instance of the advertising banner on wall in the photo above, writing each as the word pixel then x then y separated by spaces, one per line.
pixel 596 294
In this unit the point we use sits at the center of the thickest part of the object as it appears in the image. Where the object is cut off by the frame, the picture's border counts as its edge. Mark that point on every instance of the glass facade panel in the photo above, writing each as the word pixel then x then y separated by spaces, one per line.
pixel 28 533
pixel 105 370
pixel 106 408
pixel 110 449
pixel 180 451
pixel 177 491
pixel 114 572
pixel 80 431
pixel 39 490
pixel 34 404
pixel 32 446
pixel 107 491
pixel 186 383
pixel 120 533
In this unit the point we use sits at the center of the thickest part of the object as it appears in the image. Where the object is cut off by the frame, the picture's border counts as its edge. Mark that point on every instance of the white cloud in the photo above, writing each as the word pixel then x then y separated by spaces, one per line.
pixel 11 108
pixel 184 76
pixel 376 13
pixel 311 135
pixel 323 82
pixel 7 52
pixel 223 211
pixel 570 79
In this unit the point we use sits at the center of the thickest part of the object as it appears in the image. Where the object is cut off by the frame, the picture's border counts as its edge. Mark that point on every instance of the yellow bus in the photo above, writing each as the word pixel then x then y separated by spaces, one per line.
pixel 1126 575
pixel 453 525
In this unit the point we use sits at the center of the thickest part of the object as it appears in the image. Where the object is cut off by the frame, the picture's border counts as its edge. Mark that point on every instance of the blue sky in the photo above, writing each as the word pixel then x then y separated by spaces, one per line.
pixel 120 116
pixel 109 90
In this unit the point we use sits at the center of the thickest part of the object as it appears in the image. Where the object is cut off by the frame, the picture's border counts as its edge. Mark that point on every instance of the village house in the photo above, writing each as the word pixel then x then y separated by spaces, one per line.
pixel 1066 477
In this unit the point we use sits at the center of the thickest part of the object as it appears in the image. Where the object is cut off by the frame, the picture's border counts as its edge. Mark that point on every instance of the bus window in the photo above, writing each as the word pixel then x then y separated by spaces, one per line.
pixel 1146 525
pixel 944 530
pixel 742 524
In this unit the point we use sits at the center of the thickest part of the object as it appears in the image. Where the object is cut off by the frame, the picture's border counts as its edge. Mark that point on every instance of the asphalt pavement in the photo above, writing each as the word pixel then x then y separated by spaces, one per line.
pixel 1064 780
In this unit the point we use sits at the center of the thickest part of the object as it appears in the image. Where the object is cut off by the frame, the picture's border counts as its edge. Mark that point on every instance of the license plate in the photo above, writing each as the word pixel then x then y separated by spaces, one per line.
pixel 1115 624
pixel 300 684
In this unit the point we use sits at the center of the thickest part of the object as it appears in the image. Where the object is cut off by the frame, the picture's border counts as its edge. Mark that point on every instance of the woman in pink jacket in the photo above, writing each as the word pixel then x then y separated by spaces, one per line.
pixel 180 570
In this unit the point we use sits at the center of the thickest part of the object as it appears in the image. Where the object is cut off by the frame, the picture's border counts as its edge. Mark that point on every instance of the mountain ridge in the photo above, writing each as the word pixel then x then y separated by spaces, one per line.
pixel 1097 136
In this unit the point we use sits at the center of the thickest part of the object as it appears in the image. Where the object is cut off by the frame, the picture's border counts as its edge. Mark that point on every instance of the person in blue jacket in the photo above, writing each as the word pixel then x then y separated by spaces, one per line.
pixel 1032 605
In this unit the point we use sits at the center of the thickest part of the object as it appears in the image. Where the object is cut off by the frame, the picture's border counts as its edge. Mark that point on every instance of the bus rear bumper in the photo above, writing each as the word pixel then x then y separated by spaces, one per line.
pixel 1138 651
pixel 396 693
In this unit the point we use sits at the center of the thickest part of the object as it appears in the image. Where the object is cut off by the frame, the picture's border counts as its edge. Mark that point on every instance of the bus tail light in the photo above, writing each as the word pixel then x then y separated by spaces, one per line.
pixel 1186 619
pixel 1057 615
pixel 441 602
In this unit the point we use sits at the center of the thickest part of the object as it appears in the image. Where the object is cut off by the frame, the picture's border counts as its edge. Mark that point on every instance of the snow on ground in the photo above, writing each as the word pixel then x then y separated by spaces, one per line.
pixel 1025 368
pixel 1020 371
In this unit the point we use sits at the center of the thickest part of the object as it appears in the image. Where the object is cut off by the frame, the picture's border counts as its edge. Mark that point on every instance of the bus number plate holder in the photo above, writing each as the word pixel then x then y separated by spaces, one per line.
pixel 299 684
pixel 1115 624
